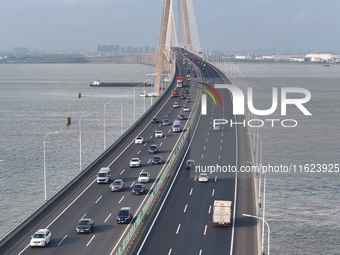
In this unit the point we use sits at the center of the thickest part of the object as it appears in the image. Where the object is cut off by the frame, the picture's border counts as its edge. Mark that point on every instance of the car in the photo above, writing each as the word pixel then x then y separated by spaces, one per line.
pixel 203 177
pixel 186 91
pixel 104 175
pixel 41 238
pixel 138 189
pixel 182 116
pixel 155 120
pixel 135 162
pixel 153 148
pixel 124 215
pixel 190 164
pixel 183 96
pixel 139 140
pixel 157 160
pixel 174 93
pixel 117 185
pixel 175 105
pixel 185 108
pixel 85 225
pixel 187 100
pixel 166 122
pixel 144 177
pixel 159 133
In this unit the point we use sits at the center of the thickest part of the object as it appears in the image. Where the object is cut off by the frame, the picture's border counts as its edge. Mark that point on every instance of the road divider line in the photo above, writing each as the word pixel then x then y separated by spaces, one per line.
pixel 179 226
pixel 90 240
pixel 107 217
pixel 191 191
pixel 205 229
pixel 121 199
pixel 62 240
pixel 185 208
pixel 98 199
pixel 122 171
pixel 209 209
pixel 213 192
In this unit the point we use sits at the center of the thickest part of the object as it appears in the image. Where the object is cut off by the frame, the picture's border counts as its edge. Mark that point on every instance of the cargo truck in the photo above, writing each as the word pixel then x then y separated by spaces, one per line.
pixel 179 81
pixel 222 213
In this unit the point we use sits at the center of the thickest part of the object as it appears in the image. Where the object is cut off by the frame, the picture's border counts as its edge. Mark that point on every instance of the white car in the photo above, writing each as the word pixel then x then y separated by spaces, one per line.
pixel 41 238
pixel 139 140
pixel 176 105
pixel 144 177
pixel 135 162
pixel 203 177
pixel 185 108
pixel 159 133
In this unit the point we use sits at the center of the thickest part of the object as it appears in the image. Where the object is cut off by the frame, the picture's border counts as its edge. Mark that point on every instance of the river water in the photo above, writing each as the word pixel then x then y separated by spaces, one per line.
pixel 35 99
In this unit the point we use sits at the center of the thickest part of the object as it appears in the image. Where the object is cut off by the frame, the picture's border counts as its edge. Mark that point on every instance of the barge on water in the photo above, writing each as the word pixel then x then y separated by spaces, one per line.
pixel 98 83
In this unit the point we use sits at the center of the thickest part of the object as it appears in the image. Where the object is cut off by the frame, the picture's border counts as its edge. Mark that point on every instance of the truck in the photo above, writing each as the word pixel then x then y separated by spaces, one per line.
pixel 179 81
pixel 222 212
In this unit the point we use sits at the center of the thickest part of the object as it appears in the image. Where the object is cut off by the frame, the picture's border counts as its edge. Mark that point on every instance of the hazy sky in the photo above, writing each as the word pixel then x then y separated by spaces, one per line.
pixel 228 25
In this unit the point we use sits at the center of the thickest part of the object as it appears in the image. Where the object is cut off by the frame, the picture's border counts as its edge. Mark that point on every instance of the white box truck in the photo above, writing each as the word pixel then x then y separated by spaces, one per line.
pixel 176 126
pixel 222 213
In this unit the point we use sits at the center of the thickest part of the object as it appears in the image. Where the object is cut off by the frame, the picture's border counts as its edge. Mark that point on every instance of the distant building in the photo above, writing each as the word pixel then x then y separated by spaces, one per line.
pixel 153 49
pixel 129 48
pixel 108 48
pixel 318 57
pixel 140 49
pixel 122 49
pixel 20 50
pixel 146 49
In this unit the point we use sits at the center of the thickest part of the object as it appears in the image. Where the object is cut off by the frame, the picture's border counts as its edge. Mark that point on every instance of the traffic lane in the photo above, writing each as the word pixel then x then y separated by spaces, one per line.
pixel 75 221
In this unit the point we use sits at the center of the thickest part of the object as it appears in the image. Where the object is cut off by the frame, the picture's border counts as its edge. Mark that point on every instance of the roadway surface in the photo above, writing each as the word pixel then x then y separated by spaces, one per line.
pixel 89 199
pixel 184 224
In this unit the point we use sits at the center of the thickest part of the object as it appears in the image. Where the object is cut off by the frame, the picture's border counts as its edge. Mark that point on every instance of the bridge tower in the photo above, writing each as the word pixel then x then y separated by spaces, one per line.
pixel 188 36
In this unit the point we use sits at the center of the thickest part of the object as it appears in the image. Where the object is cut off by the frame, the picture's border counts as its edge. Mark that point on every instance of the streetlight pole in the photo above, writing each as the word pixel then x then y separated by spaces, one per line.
pixel 44 145
pixel 104 123
pixel 80 139
pixel 121 113
pixel 259 218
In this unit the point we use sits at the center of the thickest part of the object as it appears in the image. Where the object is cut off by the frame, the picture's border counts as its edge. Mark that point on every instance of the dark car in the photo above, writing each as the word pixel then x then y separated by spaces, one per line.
pixel 124 215
pixel 190 164
pixel 187 100
pixel 138 189
pixel 186 91
pixel 117 185
pixel 183 96
pixel 166 122
pixel 157 160
pixel 182 116
pixel 85 225
pixel 155 120
pixel 153 148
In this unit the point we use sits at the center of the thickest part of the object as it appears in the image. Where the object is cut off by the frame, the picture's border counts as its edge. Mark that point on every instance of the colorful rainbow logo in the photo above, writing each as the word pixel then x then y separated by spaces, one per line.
pixel 210 94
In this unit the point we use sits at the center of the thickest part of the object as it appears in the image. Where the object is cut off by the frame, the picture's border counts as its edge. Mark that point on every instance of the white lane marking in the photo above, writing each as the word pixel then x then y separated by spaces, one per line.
pixel 220 148
pixel 98 200
pixel 145 143
pixel 206 140
pixel 205 230
pixel 202 156
pixel 169 252
pixel 208 134
pixel 121 199
pixel 185 208
pixel 160 144
pixel 90 240
pixel 219 156
pixel 122 171
pixel 132 184
pixel 179 226
pixel 221 134
pixel 62 240
pixel 216 178
pixel 83 216
pixel 221 140
pixel 195 177
pixel 204 147
pixel 150 137
pixel 138 152
pixel 149 160
pixel 191 191
pixel 209 209
pixel 213 192
pixel 200 252
pixel 107 217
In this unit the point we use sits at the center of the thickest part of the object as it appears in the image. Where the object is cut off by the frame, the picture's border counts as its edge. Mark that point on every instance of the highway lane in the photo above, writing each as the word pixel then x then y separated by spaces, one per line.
pixel 98 202
pixel 184 225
